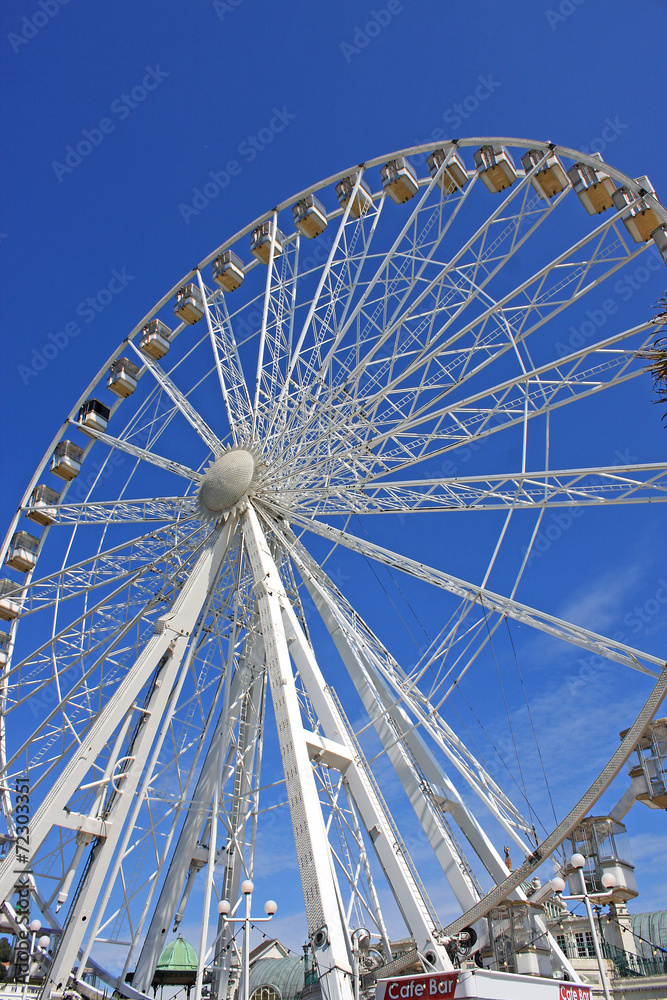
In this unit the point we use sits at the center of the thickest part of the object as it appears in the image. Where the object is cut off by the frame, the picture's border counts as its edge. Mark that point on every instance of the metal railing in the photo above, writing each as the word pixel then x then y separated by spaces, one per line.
pixel 627 964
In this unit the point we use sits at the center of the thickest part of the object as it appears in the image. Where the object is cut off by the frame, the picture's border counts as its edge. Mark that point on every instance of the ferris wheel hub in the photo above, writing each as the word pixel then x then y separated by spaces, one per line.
pixel 227 482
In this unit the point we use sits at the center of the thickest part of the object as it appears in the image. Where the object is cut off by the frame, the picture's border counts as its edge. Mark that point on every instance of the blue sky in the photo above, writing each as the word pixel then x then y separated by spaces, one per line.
pixel 191 119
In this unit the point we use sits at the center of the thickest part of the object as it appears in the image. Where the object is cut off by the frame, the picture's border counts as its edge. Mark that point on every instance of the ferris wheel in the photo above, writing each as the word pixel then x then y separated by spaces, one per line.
pixel 393 369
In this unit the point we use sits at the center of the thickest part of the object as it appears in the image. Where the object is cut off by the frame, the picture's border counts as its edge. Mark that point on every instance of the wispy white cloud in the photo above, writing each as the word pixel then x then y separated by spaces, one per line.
pixel 597 606
pixel 649 847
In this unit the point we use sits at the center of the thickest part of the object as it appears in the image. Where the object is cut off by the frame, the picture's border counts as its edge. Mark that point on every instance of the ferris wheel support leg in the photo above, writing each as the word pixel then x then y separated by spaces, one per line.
pixel 444 849
pixel 372 891
pixel 219 753
pixel 410 896
pixel 182 863
pixel 161 658
pixel 110 879
pixel 406 748
pixel 160 917
pixel 331 945
pixel 152 724
pixel 212 827
pixel 241 813
pixel 395 728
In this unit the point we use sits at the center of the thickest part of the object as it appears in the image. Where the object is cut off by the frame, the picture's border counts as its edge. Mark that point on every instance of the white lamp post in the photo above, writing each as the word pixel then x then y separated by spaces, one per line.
pixel 578 861
pixel 34 927
pixel 42 944
pixel 224 907
pixel 361 940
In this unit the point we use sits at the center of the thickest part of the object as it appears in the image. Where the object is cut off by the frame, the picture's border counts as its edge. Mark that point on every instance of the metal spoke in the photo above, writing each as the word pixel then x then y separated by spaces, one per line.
pixel 182 402
pixel 491 602
pixel 148 456
pixel 600 487
pixel 121 511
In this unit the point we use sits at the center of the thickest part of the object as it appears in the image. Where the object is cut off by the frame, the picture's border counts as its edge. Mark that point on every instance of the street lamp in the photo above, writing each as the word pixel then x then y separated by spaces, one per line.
pixel 361 941
pixel 577 861
pixel 39 951
pixel 34 927
pixel 224 907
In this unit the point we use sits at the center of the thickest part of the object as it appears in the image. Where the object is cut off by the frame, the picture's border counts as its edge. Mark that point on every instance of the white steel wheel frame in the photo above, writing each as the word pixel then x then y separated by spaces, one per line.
pixel 146 641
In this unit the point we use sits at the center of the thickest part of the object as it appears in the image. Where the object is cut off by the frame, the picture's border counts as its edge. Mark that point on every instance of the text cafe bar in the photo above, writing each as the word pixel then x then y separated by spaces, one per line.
pixel 481 983
pixel 439 984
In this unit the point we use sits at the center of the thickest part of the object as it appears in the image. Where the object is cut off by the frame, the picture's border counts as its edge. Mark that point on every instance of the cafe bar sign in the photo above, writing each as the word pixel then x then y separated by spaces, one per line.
pixel 435 986
pixel 483 984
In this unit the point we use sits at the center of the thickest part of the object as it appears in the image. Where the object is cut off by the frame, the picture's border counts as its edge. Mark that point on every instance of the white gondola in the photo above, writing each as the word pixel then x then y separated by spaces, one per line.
pixel 495 167
pixel 155 339
pixel 517 940
pixel 260 242
pixel 94 414
pixel 310 216
pixel 641 220
pixel 123 377
pixel 649 775
pixel 189 307
pixel 362 200
pixel 43 501
pixel 5 642
pixel 593 187
pixel 551 178
pixel 9 604
pixel 454 176
pixel 228 271
pixel 399 180
pixel 22 551
pixel 605 846
pixel 67 459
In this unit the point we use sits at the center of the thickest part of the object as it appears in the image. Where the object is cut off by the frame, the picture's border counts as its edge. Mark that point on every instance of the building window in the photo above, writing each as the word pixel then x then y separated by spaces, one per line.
pixel 265 993
pixel 565 944
pixel 585 947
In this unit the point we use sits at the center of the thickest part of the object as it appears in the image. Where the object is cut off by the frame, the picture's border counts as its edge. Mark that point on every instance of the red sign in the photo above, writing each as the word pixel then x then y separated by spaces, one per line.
pixel 572 992
pixel 429 987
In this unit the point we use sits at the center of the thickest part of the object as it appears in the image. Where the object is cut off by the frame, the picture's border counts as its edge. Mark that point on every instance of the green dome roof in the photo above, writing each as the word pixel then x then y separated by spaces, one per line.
pixel 178 956
pixel 286 975
pixel 652 926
